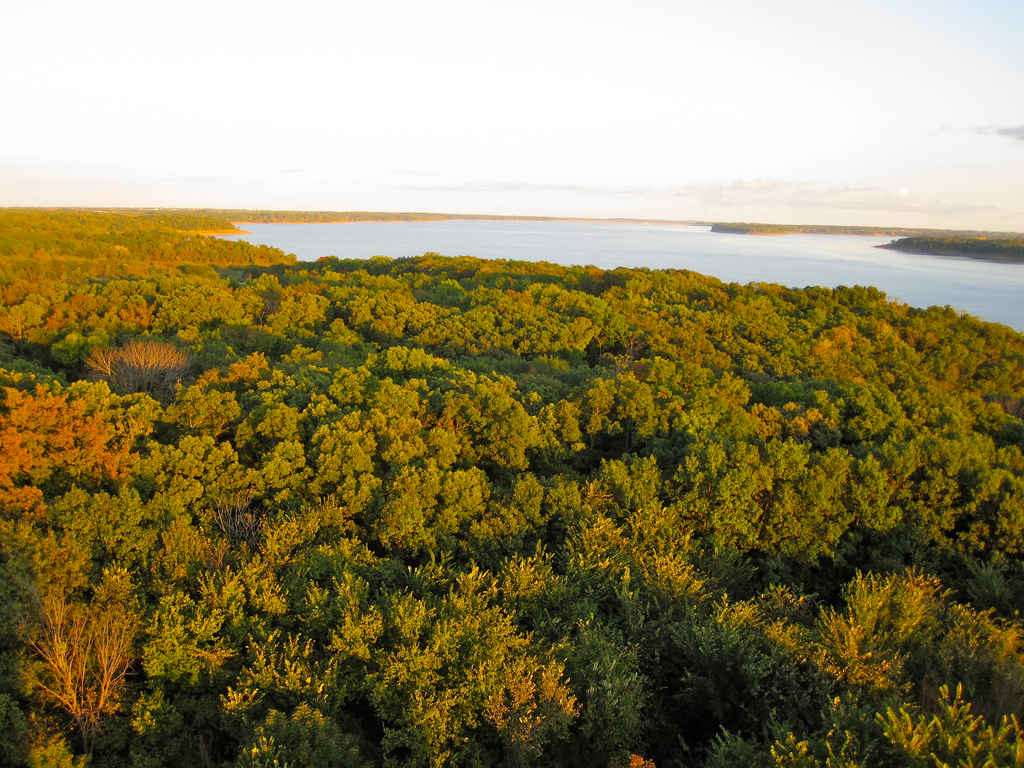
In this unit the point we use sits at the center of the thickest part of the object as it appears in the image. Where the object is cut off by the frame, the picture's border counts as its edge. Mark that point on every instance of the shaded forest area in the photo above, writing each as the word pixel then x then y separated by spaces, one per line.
pixel 436 511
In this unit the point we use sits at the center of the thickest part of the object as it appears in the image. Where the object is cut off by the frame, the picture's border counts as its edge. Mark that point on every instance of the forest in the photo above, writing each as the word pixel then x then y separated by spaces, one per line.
pixel 454 512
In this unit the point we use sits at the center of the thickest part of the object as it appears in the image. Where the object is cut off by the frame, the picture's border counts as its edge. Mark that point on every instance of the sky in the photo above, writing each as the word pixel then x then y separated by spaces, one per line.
pixel 888 112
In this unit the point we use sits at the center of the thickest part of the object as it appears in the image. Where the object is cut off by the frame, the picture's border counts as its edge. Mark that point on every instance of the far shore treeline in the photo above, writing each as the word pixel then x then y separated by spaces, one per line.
pixel 455 512
pixel 835 229
pixel 1009 248
pixel 220 219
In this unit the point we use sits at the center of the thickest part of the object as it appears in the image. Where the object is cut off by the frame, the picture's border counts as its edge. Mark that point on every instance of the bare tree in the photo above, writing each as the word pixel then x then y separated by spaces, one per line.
pixel 235 516
pixel 139 366
pixel 85 658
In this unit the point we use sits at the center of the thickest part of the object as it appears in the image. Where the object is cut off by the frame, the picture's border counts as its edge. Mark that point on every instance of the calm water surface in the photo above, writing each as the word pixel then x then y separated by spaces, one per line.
pixel 988 290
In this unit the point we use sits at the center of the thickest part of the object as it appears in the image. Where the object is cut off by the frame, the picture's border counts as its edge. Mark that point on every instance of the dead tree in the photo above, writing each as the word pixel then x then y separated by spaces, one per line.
pixel 85 657
pixel 139 366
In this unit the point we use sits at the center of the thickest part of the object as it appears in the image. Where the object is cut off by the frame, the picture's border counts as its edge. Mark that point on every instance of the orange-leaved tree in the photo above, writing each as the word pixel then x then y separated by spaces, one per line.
pixel 49 439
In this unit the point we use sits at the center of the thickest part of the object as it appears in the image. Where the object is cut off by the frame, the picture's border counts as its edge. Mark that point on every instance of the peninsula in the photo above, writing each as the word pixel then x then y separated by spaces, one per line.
pixel 1002 249
pixel 745 228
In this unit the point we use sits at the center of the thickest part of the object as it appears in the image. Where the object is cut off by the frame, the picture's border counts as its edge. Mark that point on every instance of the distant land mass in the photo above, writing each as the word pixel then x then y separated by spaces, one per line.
pixel 1004 249
pixel 745 228
pixel 228 215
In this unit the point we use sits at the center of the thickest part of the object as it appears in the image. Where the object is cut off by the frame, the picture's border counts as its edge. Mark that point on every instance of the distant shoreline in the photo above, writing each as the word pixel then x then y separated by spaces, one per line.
pixel 859 231
pixel 219 232
pixel 402 218
pixel 977 249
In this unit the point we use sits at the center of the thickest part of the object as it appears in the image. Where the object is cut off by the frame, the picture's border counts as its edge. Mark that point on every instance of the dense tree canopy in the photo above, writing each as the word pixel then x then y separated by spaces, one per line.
pixel 442 511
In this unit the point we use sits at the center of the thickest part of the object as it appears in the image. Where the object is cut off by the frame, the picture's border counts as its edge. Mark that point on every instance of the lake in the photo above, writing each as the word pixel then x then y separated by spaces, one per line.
pixel 989 290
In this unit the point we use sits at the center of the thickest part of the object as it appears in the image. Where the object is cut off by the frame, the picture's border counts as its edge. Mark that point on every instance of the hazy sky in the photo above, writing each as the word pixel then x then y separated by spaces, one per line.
pixel 890 111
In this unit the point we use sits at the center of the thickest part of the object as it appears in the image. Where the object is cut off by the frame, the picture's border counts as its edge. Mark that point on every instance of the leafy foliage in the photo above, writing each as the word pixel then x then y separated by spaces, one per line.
pixel 445 511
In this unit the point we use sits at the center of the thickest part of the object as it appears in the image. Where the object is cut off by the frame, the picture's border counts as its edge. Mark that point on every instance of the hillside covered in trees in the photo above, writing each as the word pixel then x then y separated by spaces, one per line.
pixel 453 512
